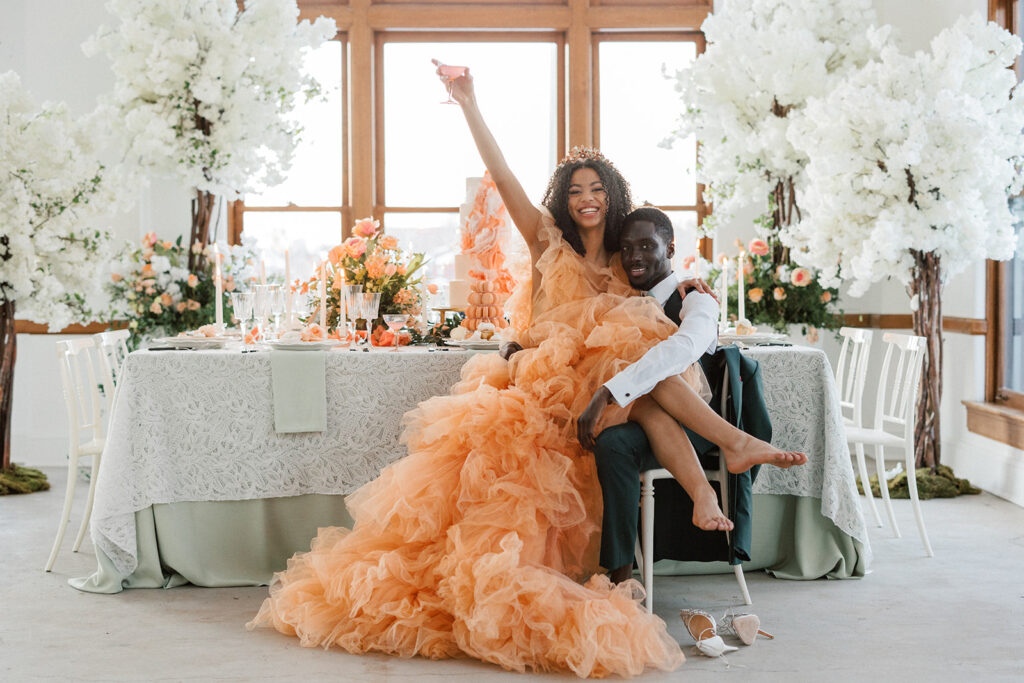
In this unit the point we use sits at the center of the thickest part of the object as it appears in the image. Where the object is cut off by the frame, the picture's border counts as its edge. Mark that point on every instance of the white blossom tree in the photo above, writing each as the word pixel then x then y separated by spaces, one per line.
pixel 205 90
pixel 911 160
pixel 53 190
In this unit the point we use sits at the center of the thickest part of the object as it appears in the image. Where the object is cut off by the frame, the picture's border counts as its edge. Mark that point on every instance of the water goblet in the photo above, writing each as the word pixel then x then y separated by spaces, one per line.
pixel 277 297
pixel 241 309
pixel 370 307
pixel 261 308
pixel 351 299
pixel 395 322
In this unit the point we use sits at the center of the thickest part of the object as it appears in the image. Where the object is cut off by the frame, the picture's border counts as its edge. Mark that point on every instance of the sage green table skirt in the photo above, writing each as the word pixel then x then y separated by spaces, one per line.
pixel 242 543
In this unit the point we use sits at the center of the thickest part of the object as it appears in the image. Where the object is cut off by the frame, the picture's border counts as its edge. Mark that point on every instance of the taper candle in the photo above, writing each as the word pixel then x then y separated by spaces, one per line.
pixel 741 300
pixel 218 286
pixel 263 272
pixel 723 298
pixel 323 299
pixel 287 290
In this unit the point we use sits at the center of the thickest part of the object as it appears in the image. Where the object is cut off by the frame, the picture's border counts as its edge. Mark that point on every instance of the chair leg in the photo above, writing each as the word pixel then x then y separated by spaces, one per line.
pixel 647 530
pixel 88 502
pixel 742 581
pixel 883 486
pixel 638 555
pixel 65 515
pixel 863 469
pixel 915 501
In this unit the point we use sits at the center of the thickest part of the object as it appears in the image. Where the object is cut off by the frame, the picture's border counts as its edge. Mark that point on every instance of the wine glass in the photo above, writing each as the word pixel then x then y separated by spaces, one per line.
pixel 370 307
pixel 277 306
pixel 395 322
pixel 241 310
pixel 450 73
pixel 261 308
pixel 352 295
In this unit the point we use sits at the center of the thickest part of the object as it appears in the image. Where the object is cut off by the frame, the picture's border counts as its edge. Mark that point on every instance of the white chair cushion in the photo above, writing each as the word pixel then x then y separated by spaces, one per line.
pixel 873 437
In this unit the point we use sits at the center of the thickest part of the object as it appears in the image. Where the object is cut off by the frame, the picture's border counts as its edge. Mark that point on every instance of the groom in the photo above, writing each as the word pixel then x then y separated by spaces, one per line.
pixel 622 452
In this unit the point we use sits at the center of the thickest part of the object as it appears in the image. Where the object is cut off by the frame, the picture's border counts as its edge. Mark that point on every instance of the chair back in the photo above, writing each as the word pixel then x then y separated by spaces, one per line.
pixel 113 349
pixel 852 370
pixel 81 388
pixel 896 401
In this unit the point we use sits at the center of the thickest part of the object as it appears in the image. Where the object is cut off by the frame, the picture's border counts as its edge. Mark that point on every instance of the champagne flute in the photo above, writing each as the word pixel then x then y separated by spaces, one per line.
pixel 353 304
pixel 261 308
pixel 371 305
pixel 395 322
pixel 241 309
pixel 450 73
pixel 277 306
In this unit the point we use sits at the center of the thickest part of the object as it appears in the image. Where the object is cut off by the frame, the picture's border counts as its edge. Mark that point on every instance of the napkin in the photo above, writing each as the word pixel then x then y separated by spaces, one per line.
pixel 300 390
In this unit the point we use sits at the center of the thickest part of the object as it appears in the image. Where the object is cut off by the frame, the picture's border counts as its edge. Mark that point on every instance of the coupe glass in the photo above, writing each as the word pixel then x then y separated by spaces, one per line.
pixel 371 305
pixel 353 295
pixel 395 322
pixel 451 73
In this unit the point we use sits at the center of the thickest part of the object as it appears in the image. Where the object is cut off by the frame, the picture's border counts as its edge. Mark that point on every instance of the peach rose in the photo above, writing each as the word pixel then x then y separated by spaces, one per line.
pixel 166 299
pixel 689 261
pixel 155 308
pixel 778 294
pixel 167 244
pixel 365 227
pixel 150 291
pixel 335 255
pixel 388 242
pixel 180 307
pixel 192 280
pixel 116 277
pixel 374 267
pixel 390 269
pixel 758 247
pixel 355 247
pixel 826 297
pixel 147 270
pixel 192 305
pixel 801 277
pixel 755 294
pixel 312 332
pixel 432 288
pixel 149 239
pixel 229 284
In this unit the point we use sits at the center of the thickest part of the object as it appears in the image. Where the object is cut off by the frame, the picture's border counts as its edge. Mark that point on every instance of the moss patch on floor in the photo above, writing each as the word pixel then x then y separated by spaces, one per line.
pixel 942 484
pixel 22 480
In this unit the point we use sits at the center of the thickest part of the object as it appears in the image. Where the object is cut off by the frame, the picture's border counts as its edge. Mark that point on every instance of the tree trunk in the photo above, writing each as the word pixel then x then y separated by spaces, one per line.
pixel 202 211
pixel 8 349
pixel 927 286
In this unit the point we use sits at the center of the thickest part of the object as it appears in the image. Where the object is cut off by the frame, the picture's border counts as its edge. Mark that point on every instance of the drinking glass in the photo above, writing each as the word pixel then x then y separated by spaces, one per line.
pixel 451 73
pixel 395 322
pixel 370 307
pixel 353 295
pixel 277 306
pixel 241 310
pixel 261 308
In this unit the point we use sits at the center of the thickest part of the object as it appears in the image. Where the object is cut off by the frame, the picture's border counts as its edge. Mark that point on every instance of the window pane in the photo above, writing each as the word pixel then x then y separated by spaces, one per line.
pixel 428 149
pixel 435 234
pixel 684 224
pixel 1013 351
pixel 315 176
pixel 638 109
pixel 308 235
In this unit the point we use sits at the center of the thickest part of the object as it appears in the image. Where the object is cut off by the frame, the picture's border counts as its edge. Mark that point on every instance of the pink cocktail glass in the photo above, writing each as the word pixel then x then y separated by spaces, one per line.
pixel 451 73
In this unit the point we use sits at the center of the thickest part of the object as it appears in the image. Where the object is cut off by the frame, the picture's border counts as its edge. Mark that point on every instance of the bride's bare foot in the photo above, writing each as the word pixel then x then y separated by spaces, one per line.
pixel 707 515
pixel 751 451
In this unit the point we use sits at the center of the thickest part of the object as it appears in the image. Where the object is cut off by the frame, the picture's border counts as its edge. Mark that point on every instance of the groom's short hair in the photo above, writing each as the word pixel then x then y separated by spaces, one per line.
pixel 662 223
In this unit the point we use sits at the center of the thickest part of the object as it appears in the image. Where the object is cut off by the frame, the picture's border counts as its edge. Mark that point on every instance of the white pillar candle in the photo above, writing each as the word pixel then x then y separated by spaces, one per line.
pixel 323 299
pixel 723 298
pixel 263 272
pixel 218 288
pixel 741 302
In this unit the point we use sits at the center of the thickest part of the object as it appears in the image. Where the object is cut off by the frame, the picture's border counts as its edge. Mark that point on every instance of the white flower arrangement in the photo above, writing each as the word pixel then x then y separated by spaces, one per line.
pixel 204 89
pixel 764 60
pixel 53 189
pixel 913 153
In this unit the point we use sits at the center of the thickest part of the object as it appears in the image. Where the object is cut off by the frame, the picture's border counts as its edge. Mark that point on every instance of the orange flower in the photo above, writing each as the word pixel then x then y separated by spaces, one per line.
pixel 778 294
pixel 801 277
pixel 335 254
pixel 147 270
pixel 155 308
pixel 375 267
pixel 826 297
pixel 355 247
pixel 432 288
pixel 401 269
pixel 150 290
pixel 390 269
pixel 165 299
pixel 180 307
pixel 755 294
pixel 167 244
pixel 748 266
pixel 252 336
pixel 688 261
pixel 365 227
pixel 229 283
pixel 149 239
pixel 312 332
pixel 192 305
pixel 116 277
pixel 192 280
pixel 388 242
pixel 758 247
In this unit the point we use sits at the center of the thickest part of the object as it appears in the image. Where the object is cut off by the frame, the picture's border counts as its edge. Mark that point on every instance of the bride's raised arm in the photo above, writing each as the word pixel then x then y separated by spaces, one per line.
pixel 521 210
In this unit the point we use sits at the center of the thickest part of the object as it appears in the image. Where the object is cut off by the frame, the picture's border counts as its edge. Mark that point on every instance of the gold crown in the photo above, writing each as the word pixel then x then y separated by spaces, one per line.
pixel 583 153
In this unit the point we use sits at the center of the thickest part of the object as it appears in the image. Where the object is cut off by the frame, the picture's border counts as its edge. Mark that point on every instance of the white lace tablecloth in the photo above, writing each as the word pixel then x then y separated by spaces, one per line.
pixel 800 392
pixel 199 426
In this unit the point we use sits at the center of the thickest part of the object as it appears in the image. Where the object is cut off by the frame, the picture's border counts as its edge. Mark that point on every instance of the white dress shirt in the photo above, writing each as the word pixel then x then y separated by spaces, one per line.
pixel 697 334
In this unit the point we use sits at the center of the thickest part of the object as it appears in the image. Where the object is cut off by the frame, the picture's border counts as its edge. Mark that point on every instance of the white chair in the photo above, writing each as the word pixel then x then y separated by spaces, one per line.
pixel 645 546
pixel 85 428
pixel 896 411
pixel 851 376
pixel 113 349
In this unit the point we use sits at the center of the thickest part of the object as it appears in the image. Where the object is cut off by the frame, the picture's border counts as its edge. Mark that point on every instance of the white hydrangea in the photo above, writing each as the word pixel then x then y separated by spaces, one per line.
pixel 912 153
pixel 53 193
pixel 204 90
pixel 764 59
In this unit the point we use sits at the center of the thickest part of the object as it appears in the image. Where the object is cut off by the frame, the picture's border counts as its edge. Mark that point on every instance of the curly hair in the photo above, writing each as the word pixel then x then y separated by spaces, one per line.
pixel 620 201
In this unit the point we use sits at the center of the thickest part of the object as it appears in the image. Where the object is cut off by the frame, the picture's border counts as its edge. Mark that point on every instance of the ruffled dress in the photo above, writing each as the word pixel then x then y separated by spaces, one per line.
pixel 473 544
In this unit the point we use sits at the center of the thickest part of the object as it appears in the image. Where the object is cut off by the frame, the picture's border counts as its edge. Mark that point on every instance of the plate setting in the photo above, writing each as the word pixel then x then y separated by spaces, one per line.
pixel 322 345
pixel 476 344
pixel 190 342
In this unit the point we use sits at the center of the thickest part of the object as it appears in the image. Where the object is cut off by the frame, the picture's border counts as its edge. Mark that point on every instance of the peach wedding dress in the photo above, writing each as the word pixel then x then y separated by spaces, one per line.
pixel 474 543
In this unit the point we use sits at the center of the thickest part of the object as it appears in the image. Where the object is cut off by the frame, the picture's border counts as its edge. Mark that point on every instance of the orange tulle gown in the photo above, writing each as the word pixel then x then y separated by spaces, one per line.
pixel 473 545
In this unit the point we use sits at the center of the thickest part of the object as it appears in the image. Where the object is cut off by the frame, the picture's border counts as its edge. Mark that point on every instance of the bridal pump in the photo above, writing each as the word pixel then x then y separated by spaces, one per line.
pixel 704 630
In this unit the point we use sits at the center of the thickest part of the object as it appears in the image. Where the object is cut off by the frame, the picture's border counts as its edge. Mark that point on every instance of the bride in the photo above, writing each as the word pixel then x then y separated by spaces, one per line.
pixel 474 543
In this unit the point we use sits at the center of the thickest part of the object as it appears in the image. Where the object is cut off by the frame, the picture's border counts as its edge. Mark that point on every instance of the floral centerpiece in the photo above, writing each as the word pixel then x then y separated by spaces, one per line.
pixel 375 261
pixel 776 295
pixel 53 197
pixel 205 88
pixel 152 289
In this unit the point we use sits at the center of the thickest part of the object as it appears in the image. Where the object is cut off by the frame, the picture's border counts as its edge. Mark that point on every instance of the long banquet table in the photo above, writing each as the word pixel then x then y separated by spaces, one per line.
pixel 196 486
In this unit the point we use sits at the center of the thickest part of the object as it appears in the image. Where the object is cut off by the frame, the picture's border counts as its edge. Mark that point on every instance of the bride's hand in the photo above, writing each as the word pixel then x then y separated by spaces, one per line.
pixel 588 420
pixel 462 87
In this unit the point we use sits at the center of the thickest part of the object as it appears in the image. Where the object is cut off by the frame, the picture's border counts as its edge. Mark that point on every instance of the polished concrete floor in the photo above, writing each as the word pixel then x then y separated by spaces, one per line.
pixel 958 616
